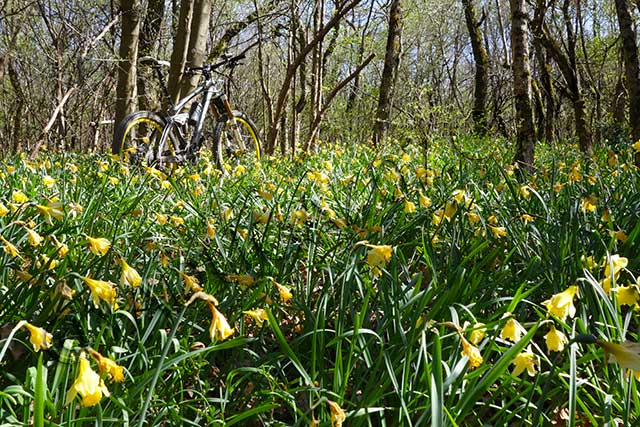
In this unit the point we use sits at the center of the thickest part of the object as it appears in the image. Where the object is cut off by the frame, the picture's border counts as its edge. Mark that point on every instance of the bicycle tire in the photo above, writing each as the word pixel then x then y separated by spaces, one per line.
pixel 149 125
pixel 224 145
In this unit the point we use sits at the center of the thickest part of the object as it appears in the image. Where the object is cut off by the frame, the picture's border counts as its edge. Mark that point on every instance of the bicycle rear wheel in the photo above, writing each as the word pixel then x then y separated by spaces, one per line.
pixel 137 137
pixel 231 147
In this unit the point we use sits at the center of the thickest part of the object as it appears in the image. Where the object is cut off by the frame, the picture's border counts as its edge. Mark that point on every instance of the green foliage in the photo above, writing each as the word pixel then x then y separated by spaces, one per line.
pixel 394 261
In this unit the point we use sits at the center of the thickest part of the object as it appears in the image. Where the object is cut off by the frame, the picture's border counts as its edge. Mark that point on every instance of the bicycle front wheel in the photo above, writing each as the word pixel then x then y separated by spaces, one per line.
pixel 137 136
pixel 235 139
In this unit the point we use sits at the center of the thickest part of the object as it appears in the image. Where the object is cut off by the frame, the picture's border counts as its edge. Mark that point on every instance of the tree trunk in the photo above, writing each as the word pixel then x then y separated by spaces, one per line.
pixel 481 81
pixel 522 85
pixel 548 94
pixel 127 55
pixel 631 67
pixel 148 37
pixel 567 64
pixel 389 72
pixel 197 41
pixel 180 48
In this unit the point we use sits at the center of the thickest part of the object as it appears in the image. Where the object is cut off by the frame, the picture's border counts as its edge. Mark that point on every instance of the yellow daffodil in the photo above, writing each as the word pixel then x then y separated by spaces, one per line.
pixel 628 295
pixel 108 367
pixel 555 340
pixel 526 218
pixel 62 248
pixel 409 206
pixel 471 351
pixel 48 181
pixel 478 333
pixel 211 231
pixel 53 210
pixel 161 218
pixel 636 146
pixel 190 283
pixel 589 203
pixel 450 209
pixel 88 385
pixel 338 416
pixel 498 232
pixel 3 210
pixel 561 304
pixel 101 290
pixel 298 217
pixel 259 315
pixel 176 220
pixel 524 191
pixel 219 329
pixel 34 238
pixel 512 330
pixel 39 338
pixel 9 248
pixel 627 354
pixel 98 245
pixel 19 197
pixel 424 201
pixel 129 275
pixel 525 360
pixel 227 213
pixel 378 256
pixel 617 262
pixel 284 291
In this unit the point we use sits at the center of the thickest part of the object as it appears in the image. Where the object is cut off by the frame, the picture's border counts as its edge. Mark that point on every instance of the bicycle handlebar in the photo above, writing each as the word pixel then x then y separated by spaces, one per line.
pixel 207 68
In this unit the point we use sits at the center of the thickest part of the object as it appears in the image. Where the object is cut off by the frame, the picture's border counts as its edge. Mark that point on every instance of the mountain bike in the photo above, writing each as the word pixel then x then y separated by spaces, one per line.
pixel 177 136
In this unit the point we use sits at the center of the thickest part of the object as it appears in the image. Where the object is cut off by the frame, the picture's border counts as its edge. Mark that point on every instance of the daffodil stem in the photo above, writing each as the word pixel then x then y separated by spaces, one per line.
pixel 10 337
pixel 158 370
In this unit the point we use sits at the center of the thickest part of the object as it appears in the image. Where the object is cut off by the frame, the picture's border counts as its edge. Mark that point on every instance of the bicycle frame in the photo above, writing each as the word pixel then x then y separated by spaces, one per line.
pixel 175 119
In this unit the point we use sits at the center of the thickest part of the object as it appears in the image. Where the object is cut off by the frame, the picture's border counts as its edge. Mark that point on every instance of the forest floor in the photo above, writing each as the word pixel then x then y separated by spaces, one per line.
pixel 351 287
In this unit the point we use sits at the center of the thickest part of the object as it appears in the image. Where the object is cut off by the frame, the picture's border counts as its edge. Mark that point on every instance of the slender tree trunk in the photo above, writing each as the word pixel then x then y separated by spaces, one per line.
pixel 389 72
pixel 197 41
pixel 631 67
pixel 180 48
pixel 127 55
pixel 481 81
pixel 148 37
pixel 522 85
pixel 567 64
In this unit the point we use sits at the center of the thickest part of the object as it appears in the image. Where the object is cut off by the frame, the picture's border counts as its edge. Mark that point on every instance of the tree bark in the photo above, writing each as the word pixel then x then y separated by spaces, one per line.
pixel 567 64
pixel 148 37
pixel 522 85
pixel 481 80
pixel 127 55
pixel 180 48
pixel 631 67
pixel 197 41
pixel 389 72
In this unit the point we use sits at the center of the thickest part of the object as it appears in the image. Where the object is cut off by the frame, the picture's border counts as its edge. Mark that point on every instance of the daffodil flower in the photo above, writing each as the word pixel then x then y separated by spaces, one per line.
pixel 471 351
pixel 108 366
pixel 614 264
pixel 34 238
pixel 526 360
pixel 627 354
pixel 338 416
pixel 409 206
pixel 101 290
pixel 219 329
pixel 628 295
pixel 259 315
pixel 98 245
pixel 378 256
pixel 53 210
pixel 190 283
pixel 3 210
pixel 512 330
pixel 9 248
pixel 555 340
pixel 39 338
pixel 478 333
pixel 498 232
pixel 561 304
pixel 129 275
pixel 88 385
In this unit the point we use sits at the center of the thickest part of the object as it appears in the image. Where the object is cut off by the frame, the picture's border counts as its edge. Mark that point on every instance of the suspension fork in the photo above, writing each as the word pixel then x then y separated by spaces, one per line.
pixel 234 126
